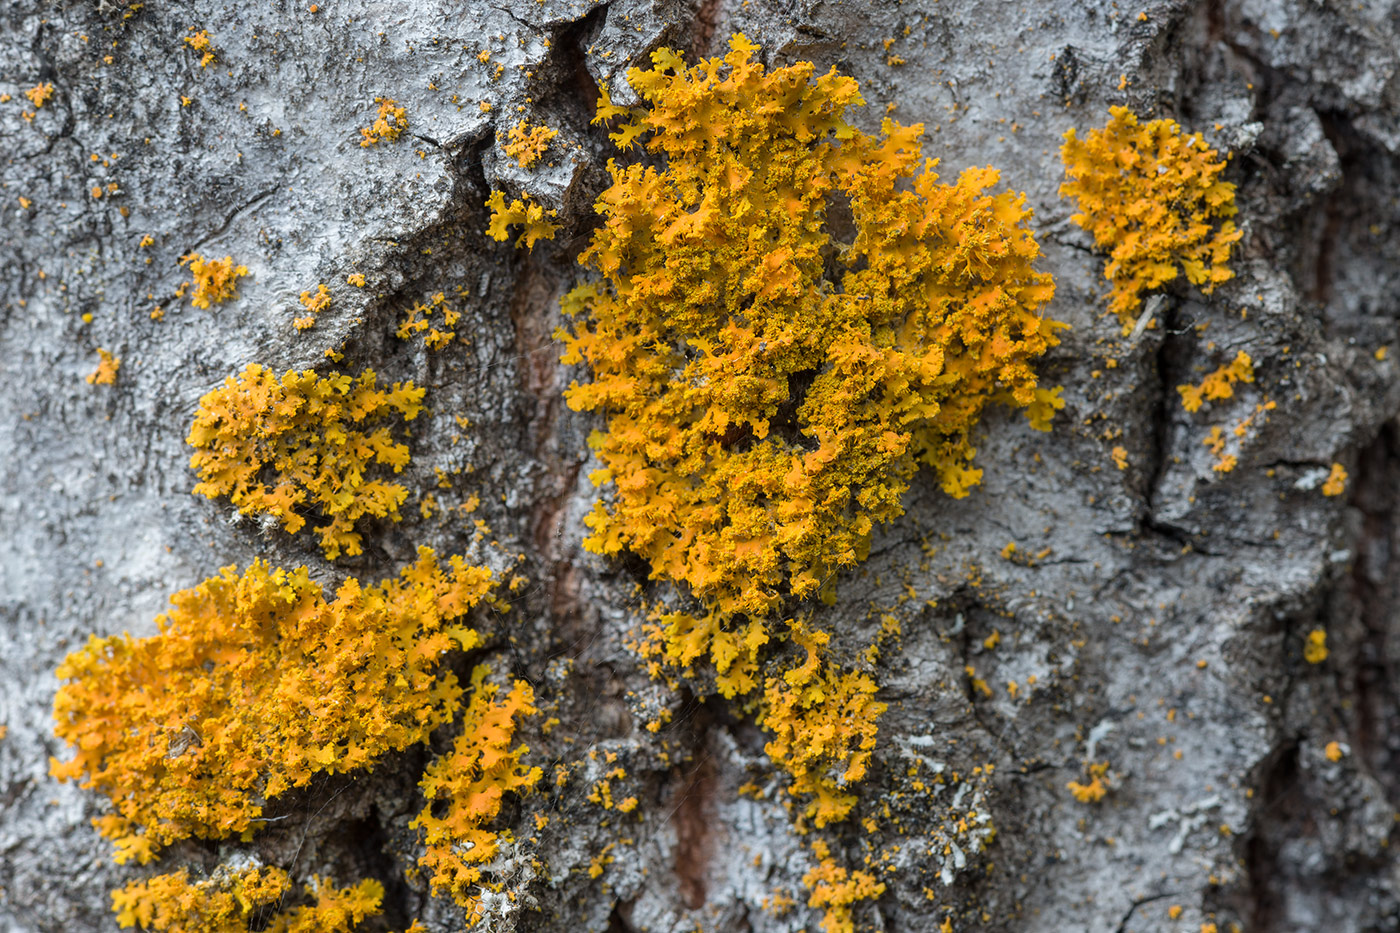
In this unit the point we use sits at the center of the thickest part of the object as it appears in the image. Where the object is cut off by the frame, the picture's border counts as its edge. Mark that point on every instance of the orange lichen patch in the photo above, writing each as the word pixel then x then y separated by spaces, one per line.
pixel 40 94
pixel 1315 649
pixel 1333 751
pixel 276 446
pixel 106 372
pixel 420 318
pixel 761 416
pixel 1219 384
pixel 1215 440
pixel 467 786
pixel 1152 197
pixel 253 684
pixel 837 890
pixel 388 124
pixel 201 42
pixel 1095 789
pixel 356 279
pixel 526 213
pixel 823 723
pixel 1120 457
pixel 314 303
pixel 526 144
pixel 215 280
pixel 1335 485
pixel 230 900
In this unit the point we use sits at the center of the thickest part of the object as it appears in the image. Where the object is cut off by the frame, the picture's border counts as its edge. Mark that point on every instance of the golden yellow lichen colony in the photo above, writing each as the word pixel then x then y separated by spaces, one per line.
pixel 275 446
pixel 770 390
pixel 314 303
pixel 791 315
pixel 1218 385
pixel 253 684
pixel 389 123
pixel 106 372
pixel 215 280
pixel 467 786
pixel 525 144
pixel 229 900
pixel 823 722
pixel 420 318
pixel 1153 198
pixel 519 212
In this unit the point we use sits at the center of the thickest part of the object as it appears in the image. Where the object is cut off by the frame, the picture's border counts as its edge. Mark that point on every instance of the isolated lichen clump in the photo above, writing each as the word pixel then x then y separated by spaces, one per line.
pixel 230 900
pixel 526 144
pixel 255 683
pixel 215 280
pixel 467 786
pixel 770 389
pixel 1218 385
pixel 1152 197
pixel 277 446
pixel 389 123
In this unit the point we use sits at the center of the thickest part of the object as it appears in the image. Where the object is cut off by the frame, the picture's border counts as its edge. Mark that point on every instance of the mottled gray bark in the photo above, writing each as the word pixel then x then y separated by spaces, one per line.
pixel 1162 617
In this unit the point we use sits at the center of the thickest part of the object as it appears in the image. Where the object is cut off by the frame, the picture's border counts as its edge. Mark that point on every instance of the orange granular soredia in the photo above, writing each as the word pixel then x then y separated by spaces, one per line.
pixel 1153 198
pixel 773 375
pixel 231 899
pixel 253 684
pixel 215 280
pixel 466 787
pixel 525 144
pixel 276 446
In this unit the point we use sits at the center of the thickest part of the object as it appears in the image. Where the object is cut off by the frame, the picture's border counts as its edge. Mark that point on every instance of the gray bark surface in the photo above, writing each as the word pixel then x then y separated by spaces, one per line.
pixel 1165 606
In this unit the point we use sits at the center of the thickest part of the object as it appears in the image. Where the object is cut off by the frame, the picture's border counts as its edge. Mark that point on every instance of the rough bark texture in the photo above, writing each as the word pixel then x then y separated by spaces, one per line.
pixel 1163 611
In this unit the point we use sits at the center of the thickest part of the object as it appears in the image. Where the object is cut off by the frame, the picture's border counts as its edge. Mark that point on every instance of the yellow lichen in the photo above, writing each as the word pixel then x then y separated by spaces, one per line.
pixel 276 447
pixel 1333 751
pixel 823 727
pixel 466 787
pixel 388 124
pixel 1096 788
pixel 525 144
pixel 837 889
pixel 1335 484
pixel 201 42
pixel 1315 649
pixel 253 684
pixel 526 213
pixel 420 318
pixel 40 94
pixel 1218 385
pixel 314 303
pixel 790 316
pixel 229 901
pixel 215 280
pixel 1152 197
pixel 762 417
pixel 106 372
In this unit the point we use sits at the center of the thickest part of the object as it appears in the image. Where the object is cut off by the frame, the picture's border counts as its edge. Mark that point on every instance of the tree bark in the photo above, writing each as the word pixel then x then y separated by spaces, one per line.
pixel 1152 616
